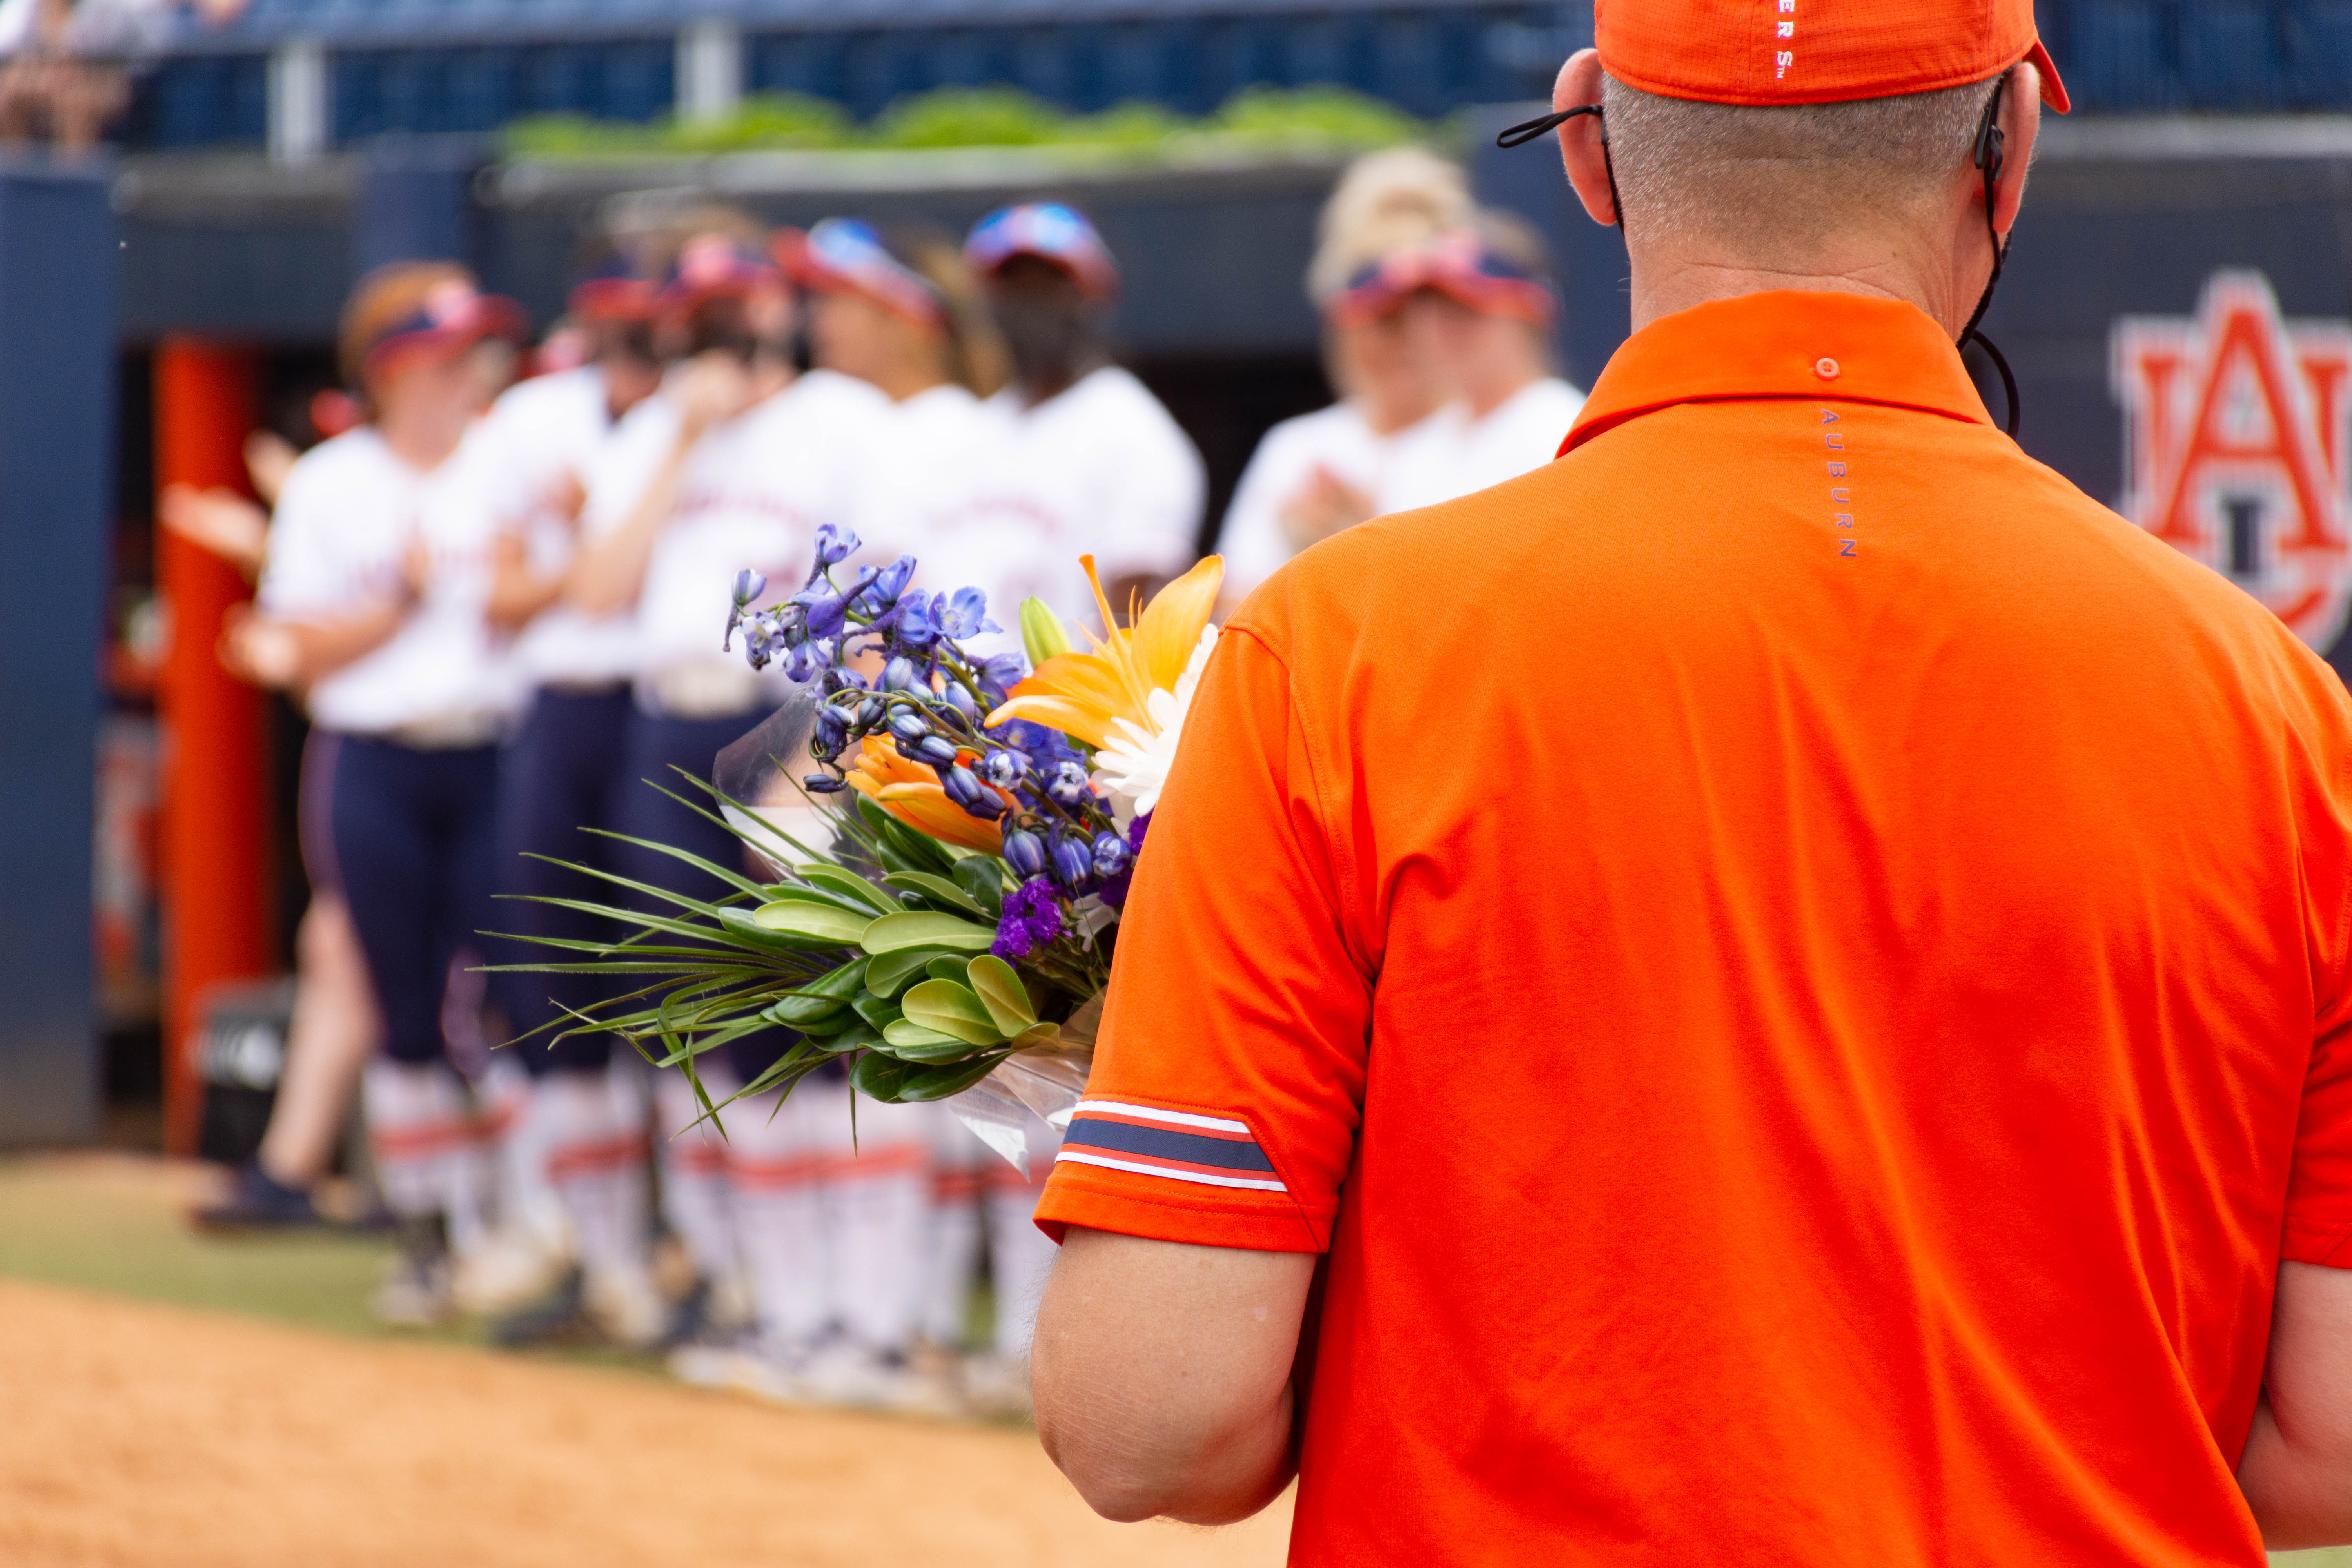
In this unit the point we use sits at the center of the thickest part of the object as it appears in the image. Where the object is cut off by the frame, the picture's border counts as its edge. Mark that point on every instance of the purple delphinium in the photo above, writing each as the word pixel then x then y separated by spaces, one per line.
pixel 1114 889
pixel 1031 920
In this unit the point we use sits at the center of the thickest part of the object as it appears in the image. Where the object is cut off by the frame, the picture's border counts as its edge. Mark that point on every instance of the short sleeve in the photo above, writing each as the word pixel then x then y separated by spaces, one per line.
pixel 306 576
pixel 1228 1080
pixel 2318 1228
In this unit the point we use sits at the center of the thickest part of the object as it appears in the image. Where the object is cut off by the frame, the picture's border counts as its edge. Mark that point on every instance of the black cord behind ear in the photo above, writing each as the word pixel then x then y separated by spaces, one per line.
pixel 1988 152
pixel 1526 131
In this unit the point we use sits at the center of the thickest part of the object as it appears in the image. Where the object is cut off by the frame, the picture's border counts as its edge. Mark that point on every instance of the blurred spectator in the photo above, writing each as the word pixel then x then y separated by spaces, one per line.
pixel 1482 306
pixel 1085 460
pixel 561 779
pixel 737 463
pixel 64 65
pixel 1318 473
pixel 905 313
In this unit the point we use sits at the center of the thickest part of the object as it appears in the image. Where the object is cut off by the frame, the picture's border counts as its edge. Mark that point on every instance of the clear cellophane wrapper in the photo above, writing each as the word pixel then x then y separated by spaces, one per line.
pixel 1003 1108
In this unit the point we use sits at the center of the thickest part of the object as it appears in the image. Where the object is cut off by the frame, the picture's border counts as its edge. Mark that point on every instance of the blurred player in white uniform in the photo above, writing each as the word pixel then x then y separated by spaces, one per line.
pixel 1321 472
pixel 1086 461
pixel 562 773
pixel 905 313
pixel 376 591
pixel 332 1030
pixel 1483 305
pixel 739 464
pixel 1078 459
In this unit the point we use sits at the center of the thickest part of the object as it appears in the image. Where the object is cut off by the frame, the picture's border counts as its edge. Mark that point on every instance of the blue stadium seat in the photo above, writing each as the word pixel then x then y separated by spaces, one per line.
pixel 2119 56
pixel 2227 58
pixel 439 65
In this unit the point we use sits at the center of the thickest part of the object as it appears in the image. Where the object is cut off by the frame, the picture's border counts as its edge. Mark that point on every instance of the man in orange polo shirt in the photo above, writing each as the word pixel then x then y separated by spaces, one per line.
pixel 1775 991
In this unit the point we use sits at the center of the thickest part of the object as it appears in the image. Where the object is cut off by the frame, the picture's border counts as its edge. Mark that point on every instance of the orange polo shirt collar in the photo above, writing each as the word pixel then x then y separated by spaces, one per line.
pixel 1852 347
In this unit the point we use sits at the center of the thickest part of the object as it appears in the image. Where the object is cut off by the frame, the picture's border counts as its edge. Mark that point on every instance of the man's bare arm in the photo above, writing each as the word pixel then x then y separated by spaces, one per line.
pixel 1163 1374
pixel 2297 1469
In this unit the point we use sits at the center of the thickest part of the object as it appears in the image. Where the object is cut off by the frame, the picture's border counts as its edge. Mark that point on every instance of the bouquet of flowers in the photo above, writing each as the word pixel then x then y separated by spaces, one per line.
pixel 937 903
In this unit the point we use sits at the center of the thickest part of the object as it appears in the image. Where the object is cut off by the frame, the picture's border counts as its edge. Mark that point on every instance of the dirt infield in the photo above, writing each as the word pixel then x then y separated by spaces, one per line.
pixel 158 1438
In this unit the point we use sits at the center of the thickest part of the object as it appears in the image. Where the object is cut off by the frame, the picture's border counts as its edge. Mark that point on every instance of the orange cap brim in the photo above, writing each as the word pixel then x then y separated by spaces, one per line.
pixel 2053 90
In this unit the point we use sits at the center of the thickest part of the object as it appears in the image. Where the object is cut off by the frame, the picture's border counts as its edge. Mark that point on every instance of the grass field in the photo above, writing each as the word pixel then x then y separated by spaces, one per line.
pixel 148 1426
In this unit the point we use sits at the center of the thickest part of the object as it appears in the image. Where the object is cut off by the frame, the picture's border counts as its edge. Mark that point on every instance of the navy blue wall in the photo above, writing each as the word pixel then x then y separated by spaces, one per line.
pixel 56 424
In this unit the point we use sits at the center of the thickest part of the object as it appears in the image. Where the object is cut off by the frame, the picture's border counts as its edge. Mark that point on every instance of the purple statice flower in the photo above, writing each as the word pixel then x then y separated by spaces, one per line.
pixel 1031 920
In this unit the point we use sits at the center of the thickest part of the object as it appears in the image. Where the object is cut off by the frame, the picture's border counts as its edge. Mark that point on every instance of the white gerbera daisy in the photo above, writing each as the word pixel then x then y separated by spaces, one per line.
pixel 1134 765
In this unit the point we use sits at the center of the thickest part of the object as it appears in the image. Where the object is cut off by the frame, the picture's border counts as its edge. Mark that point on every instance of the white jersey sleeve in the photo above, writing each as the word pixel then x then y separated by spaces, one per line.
pixel 325 558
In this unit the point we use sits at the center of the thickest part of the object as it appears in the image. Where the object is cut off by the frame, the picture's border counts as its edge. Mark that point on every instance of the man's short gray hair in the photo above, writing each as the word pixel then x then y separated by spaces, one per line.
pixel 1773 183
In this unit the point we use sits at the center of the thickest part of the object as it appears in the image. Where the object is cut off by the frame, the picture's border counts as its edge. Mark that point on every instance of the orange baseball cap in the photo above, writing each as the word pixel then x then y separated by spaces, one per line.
pixel 1767 52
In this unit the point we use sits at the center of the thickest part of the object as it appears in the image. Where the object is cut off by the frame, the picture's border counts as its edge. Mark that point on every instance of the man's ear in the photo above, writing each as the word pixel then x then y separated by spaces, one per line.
pixel 1579 83
pixel 2020 122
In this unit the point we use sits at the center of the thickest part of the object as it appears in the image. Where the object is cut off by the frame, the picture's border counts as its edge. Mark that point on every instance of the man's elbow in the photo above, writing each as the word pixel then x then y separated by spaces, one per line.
pixel 1124 1487
pixel 1117 1491
pixel 1132 1464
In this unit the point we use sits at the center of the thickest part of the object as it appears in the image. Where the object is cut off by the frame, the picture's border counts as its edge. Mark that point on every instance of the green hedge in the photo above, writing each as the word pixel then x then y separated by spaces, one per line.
pixel 1311 118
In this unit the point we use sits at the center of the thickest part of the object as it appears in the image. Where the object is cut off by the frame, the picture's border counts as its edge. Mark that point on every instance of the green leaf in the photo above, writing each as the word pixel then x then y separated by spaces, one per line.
pixel 1036 1035
pixel 878 1011
pixel 877 1076
pixel 850 885
pixel 815 925
pixel 1042 632
pixel 950 1009
pixel 983 876
pixel 750 929
pixel 1001 991
pixel 920 1083
pixel 859 1036
pixel 833 1023
pixel 911 1042
pixel 939 889
pixel 793 890
pixel 945 969
pixel 894 971
pixel 840 983
pixel 920 852
pixel 803 1012
pixel 924 928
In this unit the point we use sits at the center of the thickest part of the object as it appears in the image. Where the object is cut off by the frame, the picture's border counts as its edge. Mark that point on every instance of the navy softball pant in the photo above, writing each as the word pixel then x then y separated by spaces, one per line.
pixel 413 833
pixel 564 770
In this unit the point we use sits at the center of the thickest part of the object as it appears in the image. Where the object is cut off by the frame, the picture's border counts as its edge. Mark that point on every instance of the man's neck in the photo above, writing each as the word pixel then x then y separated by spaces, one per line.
pixel 1674 277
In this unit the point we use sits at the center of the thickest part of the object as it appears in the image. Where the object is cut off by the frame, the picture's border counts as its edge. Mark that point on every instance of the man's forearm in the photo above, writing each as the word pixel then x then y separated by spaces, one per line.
pixel 1162 1376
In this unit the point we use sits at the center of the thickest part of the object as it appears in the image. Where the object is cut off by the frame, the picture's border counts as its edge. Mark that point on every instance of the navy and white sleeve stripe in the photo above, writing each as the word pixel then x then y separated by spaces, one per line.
pixel 1180 1145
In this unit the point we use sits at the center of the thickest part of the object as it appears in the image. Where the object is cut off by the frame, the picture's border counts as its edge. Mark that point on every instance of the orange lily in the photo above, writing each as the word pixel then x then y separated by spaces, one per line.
pixel 911 792
pixel 1083 694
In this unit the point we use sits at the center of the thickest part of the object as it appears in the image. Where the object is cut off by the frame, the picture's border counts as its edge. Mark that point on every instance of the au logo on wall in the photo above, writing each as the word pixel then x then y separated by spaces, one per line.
pixel 2235 424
